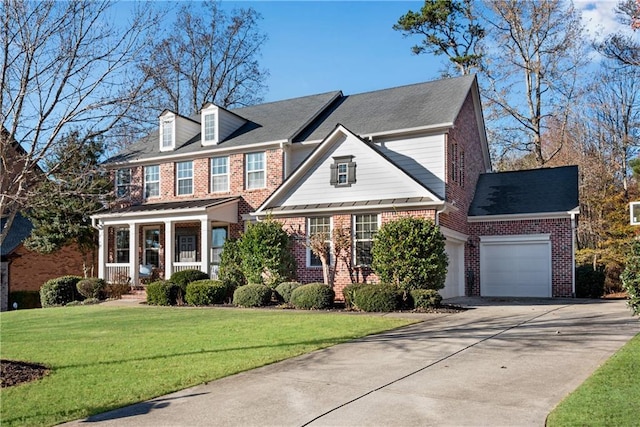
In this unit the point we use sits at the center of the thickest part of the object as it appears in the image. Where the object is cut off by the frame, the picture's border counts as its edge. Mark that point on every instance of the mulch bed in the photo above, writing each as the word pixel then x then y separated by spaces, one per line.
pixel 14 372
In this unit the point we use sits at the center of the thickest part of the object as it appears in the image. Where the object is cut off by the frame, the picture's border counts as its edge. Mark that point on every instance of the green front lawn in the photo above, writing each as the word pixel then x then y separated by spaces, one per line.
pixel 610 397
pixel 102 358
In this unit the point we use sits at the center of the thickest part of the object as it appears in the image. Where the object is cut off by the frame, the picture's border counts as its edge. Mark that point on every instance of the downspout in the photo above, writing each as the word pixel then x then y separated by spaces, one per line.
pixel 438 212
pixel 573 254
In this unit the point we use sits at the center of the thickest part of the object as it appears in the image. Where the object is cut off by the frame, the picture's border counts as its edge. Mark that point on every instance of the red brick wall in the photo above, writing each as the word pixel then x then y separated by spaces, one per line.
pixel 561 248
pixel 297 228
pixel 460 192
pixel 28 270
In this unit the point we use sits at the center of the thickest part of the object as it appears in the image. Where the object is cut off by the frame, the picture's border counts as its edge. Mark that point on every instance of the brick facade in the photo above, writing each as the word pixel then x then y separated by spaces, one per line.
pixel 561 248
pixel 28 270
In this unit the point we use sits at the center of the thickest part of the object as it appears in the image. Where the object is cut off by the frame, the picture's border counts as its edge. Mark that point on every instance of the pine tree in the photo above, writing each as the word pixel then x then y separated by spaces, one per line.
pixel 60 207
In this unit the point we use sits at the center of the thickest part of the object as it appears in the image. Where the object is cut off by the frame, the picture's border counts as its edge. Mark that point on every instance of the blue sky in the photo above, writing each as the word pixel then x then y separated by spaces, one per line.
pixel 316 47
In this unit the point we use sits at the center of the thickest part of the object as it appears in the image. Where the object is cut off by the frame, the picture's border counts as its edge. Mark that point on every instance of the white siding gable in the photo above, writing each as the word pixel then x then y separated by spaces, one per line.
pixel 376 178
pixel 225 123
pixel 421 157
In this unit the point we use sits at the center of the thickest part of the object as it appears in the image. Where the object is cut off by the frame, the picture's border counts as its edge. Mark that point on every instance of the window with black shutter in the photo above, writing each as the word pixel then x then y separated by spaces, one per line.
pixel 343 171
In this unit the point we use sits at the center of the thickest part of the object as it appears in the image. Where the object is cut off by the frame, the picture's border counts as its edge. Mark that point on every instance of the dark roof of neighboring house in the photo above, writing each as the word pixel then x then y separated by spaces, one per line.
pixel 183 204
pixel 311 118
pixel 526 192
pixel 20 230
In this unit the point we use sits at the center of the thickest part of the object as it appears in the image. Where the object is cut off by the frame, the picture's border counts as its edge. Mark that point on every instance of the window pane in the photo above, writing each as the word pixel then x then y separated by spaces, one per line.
pixel 167 131
pixel 122 246
pixel 365 228
pixel 209 127
pixel 219 174
pixel 185 169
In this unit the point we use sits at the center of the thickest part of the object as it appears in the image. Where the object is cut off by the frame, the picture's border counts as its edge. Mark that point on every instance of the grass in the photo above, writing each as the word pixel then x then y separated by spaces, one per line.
pixel 102 358
pixel 610 397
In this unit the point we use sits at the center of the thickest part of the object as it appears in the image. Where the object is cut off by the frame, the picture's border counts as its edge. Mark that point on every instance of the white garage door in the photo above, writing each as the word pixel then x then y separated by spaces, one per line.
pixel 454 284
pixel 515 266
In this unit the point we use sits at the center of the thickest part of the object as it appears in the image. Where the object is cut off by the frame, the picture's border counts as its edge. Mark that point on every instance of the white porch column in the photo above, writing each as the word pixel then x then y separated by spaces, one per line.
pixel 133 253
pixel 168 249
pixel 102 250
pixel 205 245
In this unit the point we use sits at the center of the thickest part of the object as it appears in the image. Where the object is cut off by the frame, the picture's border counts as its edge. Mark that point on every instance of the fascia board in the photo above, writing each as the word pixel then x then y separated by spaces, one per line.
pixel 396 132
pixel 520 217
pixel 376 208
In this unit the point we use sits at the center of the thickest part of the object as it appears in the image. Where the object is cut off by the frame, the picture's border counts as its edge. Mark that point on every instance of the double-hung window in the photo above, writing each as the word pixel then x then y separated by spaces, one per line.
pixel 219 174
pixel 255 170
pixel 319 228
pixel 152 246
pixel 122 245
pixel 123 182
pixel 184 178
pixel 366 227
pixel 151 181
pixel 167 135
pixel 343 171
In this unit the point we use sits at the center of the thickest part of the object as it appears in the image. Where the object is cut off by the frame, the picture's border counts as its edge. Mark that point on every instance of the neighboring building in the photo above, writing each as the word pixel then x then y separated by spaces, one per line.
pixel 325 161
pixel 20 268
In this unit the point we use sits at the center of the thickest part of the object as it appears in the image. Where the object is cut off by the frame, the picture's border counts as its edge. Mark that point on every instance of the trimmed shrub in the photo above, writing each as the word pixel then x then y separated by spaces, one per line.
pixel 116 290
pixel 284 289
pixel 409 253
pixel 266 256
pixel 314 296
pixel 24 299
pixel 231 264
pixel 589 282
pixel 59 291
pixel 377 298
pixel 206 292
pixel 631 278
pixel 252 295
pixel 425 299
pixel 162 292
pixel 184 277
pixel 92 287
pixel 348 293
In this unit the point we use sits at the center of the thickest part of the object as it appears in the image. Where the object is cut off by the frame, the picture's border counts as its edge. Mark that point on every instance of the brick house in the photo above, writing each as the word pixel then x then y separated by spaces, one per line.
pixel 20 268
pixel 315 164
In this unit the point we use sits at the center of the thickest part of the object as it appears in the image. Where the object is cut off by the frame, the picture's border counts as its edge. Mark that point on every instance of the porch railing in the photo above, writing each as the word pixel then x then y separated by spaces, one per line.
pixel 181 266
pixel 117 273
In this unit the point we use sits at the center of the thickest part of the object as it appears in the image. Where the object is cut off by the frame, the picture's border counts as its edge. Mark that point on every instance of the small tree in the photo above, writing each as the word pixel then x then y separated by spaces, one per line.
pixel 409 252
pixel 631 278
pixel 341 243
pixel 266 254
pixel 231 264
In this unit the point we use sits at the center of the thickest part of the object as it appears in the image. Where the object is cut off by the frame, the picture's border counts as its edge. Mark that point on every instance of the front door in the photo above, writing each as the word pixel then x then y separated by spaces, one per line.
pixel 186 248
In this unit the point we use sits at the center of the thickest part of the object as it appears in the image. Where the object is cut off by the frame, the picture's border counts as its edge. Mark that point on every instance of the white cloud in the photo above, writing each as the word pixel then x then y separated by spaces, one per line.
pixel 599 18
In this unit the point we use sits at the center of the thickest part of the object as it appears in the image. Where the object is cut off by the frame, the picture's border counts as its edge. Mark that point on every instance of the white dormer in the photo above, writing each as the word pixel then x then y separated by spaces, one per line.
pixel 175 130
pixel 167 131
pixel 216 124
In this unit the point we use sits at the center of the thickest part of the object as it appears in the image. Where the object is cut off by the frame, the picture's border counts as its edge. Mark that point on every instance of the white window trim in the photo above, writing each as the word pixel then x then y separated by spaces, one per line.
pixel 144 171
pixel 144 243
pixel 127 186
pixel 225 174
pixel 181 179
pixel 264 170
pixel 353 236
pixel 205 114
pixel 331 254
pixel 171 121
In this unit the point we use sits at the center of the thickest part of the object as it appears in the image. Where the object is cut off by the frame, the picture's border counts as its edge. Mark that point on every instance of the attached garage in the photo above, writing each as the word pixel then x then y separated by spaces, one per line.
pixel 515 266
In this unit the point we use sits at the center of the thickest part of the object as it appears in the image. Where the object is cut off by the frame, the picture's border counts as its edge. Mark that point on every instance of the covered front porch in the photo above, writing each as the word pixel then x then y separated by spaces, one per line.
pixel 152 241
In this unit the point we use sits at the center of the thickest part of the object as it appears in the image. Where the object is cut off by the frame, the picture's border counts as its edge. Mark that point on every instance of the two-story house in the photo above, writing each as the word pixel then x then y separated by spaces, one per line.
pixel 329 161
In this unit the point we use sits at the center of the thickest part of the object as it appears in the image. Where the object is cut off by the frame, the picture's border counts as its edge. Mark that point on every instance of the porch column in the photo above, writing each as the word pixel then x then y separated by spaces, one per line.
pixel 168 249
pixel 102 250
pixel 205 245
pixel 133 253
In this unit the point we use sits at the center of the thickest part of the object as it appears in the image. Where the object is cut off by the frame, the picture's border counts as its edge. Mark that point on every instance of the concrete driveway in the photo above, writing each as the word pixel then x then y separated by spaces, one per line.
pixel 501 363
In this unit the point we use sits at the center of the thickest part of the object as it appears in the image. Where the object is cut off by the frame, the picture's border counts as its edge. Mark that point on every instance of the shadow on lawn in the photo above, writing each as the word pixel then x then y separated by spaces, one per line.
pixel 134 410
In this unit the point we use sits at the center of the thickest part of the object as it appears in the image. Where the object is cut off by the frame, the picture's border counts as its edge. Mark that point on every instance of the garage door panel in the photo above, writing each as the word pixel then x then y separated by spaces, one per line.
pixel 516 269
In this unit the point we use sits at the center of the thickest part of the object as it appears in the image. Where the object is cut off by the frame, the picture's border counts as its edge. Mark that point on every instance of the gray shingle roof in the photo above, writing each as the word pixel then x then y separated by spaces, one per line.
pixel 182 204
pixel 20 230
pixel 273 121
pixel 403 107
pixel 526 192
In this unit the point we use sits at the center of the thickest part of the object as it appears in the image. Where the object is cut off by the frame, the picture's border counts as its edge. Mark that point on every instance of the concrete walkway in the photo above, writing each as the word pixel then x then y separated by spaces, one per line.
pixel 501 363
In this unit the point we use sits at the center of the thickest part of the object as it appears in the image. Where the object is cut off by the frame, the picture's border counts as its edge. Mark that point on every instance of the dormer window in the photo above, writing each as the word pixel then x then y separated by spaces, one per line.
pixel 210 128
pixel 167 133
